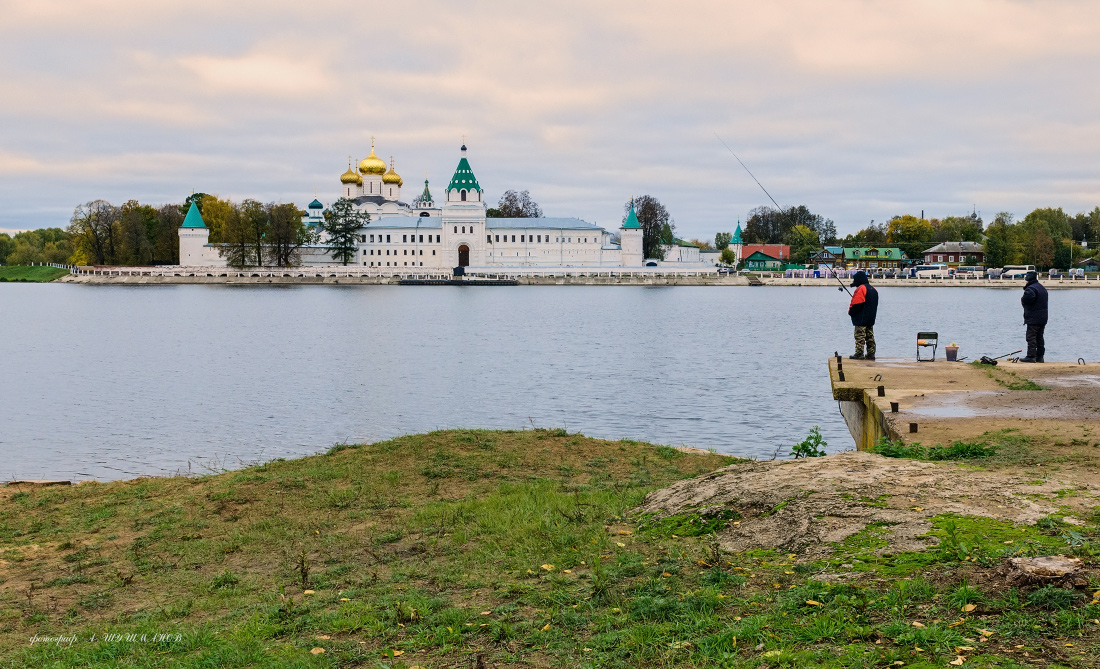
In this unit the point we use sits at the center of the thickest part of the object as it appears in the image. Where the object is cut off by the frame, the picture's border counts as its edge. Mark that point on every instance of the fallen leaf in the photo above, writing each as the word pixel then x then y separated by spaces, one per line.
pixel 969 607
pixel 772 653
pixel 486 613
pixel 324 637
pixel 957 623
pixel 959 649
pixel 567 571
pixel 625 532
pixel 395 653
pixel 307 592
pixel 666 574
pixel 899 663
pixel 620 544
pixel 985 632
pixel 546 627
pixel 344 599
pixel 811 602
pixel 918 508
pixel 1069 645
pixel 918 624
pixel 918 649
pixel 547 567
pixel 958 661
pixel 317 651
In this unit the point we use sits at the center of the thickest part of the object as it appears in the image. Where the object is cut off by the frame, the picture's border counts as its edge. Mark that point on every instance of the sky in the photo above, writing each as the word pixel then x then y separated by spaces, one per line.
pixel 860 110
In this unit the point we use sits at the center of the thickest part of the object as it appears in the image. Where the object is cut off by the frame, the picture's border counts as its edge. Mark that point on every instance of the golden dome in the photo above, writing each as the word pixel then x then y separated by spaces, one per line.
pixel 351 177
pixel 392 177
pixel 372 164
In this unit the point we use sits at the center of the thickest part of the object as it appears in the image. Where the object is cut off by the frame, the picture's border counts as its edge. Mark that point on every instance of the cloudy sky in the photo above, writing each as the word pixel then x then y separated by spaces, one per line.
pixel 860 110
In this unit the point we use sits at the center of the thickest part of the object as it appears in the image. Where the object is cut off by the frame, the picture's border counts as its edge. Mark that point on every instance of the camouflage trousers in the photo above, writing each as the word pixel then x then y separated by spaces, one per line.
pixel 865 337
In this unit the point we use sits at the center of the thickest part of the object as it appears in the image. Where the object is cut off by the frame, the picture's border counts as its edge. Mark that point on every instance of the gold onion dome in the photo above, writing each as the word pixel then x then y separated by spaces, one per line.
pixel 351 177
pixel 372 164
pixel 392 177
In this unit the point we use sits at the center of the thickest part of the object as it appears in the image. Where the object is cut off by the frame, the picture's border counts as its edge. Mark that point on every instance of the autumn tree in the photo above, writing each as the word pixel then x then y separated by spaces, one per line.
pixel 135 221
pixel 515 205
pixel 287 235
pixel 342 223
pixel 236 240
pixel 722 240
pixel 92 227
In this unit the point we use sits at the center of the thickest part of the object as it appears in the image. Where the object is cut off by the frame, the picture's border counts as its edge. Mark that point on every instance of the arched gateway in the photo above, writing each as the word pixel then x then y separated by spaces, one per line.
pixel 463 256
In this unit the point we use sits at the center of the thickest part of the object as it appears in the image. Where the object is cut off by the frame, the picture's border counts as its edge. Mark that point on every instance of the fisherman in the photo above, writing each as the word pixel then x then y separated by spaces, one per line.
pixel 1035 317
pixel 863 309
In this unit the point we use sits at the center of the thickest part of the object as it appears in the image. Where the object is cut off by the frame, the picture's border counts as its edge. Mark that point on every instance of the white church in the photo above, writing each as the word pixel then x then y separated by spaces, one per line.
pixel 454 232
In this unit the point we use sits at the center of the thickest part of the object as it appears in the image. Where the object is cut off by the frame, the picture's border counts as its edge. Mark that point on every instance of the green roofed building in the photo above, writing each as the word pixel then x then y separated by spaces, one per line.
pixel 873 257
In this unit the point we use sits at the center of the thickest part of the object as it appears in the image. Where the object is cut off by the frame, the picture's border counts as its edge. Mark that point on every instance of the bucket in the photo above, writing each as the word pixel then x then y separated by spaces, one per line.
pixel 952 353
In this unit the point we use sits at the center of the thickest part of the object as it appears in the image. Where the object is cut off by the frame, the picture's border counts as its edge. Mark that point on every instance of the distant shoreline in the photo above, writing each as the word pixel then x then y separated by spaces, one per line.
pixel 266 277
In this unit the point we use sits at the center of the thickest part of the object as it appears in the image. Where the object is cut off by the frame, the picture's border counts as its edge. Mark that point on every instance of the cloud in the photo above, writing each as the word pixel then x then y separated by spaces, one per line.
pixel 259 73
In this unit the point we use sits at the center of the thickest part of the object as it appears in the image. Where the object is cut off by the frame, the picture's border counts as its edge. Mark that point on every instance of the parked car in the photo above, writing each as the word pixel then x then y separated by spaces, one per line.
pixel 1054 274
pixel 931 272
pixel 1077 273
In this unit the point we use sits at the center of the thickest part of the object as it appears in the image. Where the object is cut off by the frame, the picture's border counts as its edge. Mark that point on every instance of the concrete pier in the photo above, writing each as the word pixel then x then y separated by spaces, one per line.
pixel 942 402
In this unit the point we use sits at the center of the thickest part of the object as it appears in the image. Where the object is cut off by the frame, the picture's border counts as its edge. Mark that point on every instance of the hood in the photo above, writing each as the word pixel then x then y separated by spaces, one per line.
pixel 1032 277
pixel 859 278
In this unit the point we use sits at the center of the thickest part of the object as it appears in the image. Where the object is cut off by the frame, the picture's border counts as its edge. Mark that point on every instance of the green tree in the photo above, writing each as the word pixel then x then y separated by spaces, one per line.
pixel 804 243
pixel 515 205
pixel 958 229
pixel 165 234
pixel 134 223
pixel 911 234
pixel 6 247
pixel 773 226
pixel 1053 222
pixel 342 224
pixel 656 225
pixel 728 256
pixel 1062 254
pixel 257 223
pixel 722 240
pixel 1040 250
pixel 287 235
pixel 25 253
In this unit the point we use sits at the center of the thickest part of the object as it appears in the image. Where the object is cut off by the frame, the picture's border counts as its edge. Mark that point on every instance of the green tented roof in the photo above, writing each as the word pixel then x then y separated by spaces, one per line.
pixel 873 253
pixel 464 177
pixel 426 196
pixel 631 220
pixel 193 218
pixel 737 235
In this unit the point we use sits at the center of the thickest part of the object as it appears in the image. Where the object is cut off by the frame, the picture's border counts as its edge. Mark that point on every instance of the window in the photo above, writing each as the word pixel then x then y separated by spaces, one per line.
pixel 538 238
pixel 950 258
pixel 939 258
pixel 463 195
pixel 464 229
pixel 513 239
pixel 436 241
pixel 372 238
pixel 421 253
pixel 404 238
pixel 521 238
pixel 387 238
pixel 433 252
pixel 364 252
pixel 405 252
pixel 372 264
pixel 498 237
pixel 488 239
pixel 456 229
pixel 421 239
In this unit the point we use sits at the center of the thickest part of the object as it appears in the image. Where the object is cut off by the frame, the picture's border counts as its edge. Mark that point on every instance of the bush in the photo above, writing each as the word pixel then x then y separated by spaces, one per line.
pixel 1052 598
pixel 812 446
pixel 960 450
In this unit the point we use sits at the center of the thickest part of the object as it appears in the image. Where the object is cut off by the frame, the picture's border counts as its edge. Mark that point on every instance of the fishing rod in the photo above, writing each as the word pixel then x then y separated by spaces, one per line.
pixel 835 275
pixel 986 360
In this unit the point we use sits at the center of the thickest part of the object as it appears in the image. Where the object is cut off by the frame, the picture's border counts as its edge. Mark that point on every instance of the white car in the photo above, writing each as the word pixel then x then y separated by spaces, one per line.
pixel 1016 271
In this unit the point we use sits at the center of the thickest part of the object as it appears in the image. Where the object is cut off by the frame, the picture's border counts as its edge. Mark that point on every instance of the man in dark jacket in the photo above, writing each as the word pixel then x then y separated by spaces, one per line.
pixel 1035 317
pixel 863 309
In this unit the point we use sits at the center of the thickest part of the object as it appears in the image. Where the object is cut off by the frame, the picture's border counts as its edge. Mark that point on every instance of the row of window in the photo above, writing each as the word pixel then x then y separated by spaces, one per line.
pixel 950 258
pixel 387 264
pixel 526 239
pixel 371 252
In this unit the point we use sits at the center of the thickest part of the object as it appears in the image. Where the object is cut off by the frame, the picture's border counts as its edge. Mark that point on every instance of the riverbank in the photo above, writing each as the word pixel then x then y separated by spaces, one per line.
pixel 509 548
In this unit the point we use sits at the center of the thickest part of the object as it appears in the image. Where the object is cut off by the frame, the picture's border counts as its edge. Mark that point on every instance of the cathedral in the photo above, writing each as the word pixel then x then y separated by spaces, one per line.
pixel 452 232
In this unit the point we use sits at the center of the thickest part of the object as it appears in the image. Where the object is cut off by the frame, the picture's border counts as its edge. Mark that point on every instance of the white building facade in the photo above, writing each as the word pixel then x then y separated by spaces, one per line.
pixel 454 232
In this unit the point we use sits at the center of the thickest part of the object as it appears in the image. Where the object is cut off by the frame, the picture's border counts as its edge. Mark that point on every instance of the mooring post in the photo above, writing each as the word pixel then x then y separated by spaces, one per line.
pixel 912 428
pixel 893 407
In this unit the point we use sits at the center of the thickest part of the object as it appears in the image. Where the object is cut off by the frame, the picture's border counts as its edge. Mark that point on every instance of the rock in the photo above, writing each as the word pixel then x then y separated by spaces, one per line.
pixel 1044 569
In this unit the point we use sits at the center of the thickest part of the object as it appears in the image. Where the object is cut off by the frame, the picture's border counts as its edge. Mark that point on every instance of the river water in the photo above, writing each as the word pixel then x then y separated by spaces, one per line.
pixel 113 382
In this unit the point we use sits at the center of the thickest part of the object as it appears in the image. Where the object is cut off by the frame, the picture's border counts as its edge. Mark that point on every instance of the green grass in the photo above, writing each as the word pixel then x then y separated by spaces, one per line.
pixel 516 547
pixel 35 274
pixel 960 450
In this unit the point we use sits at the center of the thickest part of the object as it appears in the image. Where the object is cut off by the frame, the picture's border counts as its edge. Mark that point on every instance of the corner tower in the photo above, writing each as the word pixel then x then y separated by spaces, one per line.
pixel 630 239
pixel 194 235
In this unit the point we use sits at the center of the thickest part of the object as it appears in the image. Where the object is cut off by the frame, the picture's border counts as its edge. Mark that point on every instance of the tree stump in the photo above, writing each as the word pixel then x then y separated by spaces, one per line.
pixel 1043 570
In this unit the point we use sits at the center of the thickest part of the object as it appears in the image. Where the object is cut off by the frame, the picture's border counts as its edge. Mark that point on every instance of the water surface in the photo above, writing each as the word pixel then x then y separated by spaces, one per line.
pixel 113 382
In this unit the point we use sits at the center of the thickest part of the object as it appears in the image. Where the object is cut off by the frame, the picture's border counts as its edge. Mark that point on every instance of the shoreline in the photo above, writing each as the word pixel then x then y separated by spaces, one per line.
pixel 581 278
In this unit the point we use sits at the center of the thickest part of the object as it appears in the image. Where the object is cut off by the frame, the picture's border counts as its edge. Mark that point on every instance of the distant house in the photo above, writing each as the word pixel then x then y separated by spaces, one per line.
pixel 1089 264
pixel 954 254
pixel 874 257
pixel 827 256
pixel 778 251
pixel 759 261
pixel 681 251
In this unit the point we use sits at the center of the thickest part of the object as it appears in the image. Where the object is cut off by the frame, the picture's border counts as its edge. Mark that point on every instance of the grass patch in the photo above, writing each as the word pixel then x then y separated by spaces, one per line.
pixel 35 274
pixel 436 550
pixel 960 450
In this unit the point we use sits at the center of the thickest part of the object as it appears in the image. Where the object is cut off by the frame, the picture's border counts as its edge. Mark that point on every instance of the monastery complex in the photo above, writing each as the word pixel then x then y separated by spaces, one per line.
pixel 451 232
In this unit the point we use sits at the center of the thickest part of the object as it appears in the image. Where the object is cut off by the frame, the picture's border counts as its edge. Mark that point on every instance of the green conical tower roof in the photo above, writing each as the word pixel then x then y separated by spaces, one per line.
pixel 426 196
pixel 193 218
pixel 464 176
pixel 631 220
pixel 737 235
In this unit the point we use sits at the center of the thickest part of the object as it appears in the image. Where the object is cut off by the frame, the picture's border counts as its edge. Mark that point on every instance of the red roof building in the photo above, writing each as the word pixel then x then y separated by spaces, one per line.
pixel 779 251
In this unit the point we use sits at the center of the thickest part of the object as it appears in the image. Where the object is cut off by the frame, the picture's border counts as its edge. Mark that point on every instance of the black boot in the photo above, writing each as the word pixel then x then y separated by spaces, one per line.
pixel 857 356
pixel 1029 359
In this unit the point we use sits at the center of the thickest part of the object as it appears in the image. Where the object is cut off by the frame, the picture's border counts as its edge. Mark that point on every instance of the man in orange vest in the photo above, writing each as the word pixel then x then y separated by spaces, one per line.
pixel 863 309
